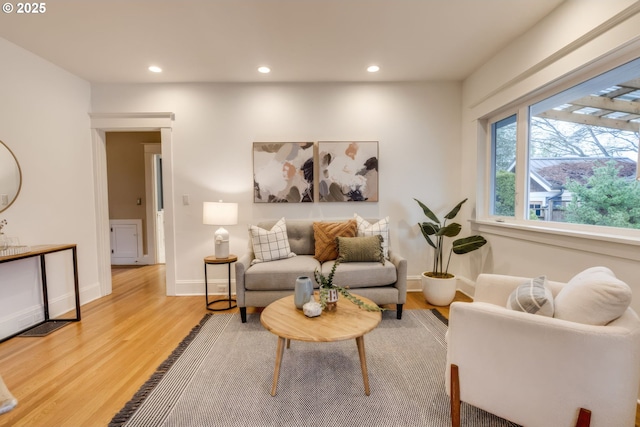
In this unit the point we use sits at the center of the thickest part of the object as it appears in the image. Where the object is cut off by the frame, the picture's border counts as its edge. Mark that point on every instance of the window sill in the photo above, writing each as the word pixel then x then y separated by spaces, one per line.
pixel 616 245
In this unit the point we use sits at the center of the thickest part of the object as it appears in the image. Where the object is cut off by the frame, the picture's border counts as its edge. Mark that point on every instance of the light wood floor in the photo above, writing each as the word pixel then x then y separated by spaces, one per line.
pixel 83 374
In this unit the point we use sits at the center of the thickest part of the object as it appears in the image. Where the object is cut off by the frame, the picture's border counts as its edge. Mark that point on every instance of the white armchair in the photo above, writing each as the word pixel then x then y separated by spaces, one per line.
pixel 540 371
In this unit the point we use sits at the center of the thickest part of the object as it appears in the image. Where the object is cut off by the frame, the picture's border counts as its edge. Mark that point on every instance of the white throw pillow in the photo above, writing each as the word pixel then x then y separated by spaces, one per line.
pixel 270 245
pixel 594 297
pixel 380 228
pixel 532 297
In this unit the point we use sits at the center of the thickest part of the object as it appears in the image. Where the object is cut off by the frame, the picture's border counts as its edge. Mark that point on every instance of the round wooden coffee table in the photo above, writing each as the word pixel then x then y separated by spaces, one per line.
pixel 287 322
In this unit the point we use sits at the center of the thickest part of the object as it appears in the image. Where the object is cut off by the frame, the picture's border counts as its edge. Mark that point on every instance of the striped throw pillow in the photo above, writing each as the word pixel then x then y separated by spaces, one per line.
pixel 532 297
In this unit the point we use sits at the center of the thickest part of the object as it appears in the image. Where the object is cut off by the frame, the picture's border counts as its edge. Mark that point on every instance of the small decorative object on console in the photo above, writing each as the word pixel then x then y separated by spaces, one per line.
pixel 4 241
pixel 10 245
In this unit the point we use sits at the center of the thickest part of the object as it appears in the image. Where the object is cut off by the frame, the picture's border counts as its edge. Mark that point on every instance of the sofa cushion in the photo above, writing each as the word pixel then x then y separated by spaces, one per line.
pixel 280 274
pixel 532 297
pixel 380 228
pixel 362 274
pixel 594 296
pixel 360 249
pixel 270 245
pixel 301 237
pixel 325 234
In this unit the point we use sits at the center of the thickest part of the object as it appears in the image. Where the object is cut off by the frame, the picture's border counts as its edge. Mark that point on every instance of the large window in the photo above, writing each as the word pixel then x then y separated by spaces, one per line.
pixel 582 154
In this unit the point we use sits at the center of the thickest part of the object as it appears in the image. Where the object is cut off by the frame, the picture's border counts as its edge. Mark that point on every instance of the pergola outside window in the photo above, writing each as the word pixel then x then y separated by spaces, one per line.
pixel 582 154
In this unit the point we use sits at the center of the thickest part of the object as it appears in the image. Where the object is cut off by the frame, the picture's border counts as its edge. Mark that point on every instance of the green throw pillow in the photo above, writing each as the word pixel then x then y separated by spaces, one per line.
pixel 360 249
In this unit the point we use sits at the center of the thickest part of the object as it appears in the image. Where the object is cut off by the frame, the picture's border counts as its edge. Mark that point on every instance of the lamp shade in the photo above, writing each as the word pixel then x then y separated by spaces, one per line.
pixel 219 213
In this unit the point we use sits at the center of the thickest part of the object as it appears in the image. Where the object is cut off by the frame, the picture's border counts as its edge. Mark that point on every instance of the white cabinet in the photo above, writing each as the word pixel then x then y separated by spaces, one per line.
pixel 126 241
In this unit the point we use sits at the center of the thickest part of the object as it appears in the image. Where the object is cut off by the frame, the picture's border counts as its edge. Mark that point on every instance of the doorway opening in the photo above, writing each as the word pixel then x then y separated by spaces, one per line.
pixel 135 201
pixel 101 123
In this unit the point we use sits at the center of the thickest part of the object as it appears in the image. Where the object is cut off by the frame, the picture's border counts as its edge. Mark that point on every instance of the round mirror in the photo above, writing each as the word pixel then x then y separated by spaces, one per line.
pixel 10 177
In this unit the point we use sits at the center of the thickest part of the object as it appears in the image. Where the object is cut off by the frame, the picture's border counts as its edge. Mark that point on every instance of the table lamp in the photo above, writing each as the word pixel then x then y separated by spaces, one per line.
pixel 219 213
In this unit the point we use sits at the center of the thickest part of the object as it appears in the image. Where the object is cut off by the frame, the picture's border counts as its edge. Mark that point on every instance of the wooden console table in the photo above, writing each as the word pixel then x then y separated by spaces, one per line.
pixel 41 251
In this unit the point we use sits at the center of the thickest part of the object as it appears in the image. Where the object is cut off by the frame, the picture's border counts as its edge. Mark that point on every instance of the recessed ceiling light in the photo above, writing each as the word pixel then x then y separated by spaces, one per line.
pixel 264 70
pixel 155 69
pixel 373 68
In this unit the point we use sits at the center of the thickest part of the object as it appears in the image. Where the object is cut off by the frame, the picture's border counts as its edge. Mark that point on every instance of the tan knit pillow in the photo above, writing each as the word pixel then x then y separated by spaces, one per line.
pixel 325 234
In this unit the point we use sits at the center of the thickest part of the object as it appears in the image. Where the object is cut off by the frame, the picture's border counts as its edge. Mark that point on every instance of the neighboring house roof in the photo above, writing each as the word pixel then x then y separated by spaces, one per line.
pixel 552 173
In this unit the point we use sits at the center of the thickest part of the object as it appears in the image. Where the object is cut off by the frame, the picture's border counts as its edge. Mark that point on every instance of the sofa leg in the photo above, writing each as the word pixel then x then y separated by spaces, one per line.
pixel 584 418
pixel 398 311
pixel 455 396
pixel 243 314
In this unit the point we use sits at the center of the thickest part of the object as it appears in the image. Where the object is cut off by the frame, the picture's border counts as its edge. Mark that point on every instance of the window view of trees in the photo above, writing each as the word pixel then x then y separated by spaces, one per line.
pixel 504 158
pixel 606 199
pixel 583 174
pixel 505 199
pixel 582 154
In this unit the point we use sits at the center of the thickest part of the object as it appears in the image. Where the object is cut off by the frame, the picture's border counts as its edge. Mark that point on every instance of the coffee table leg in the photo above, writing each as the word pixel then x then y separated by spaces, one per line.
pixel 276 371
pixel 363 363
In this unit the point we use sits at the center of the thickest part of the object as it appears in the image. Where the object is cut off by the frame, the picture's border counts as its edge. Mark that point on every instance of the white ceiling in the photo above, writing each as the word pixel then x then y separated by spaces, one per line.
pixel 301 40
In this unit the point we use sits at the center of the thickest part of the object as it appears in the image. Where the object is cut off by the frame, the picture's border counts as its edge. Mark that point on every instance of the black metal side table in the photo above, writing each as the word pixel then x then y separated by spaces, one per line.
pixel 213 260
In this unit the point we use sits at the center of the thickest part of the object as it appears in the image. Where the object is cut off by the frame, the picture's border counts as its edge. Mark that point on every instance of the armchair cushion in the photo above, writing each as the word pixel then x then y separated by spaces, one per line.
pixel 593 297
pixel 280 274
pixel 532 297
pixel 358 275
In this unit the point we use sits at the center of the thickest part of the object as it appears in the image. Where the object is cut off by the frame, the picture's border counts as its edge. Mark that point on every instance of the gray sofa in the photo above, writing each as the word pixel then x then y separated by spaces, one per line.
pixel 260 284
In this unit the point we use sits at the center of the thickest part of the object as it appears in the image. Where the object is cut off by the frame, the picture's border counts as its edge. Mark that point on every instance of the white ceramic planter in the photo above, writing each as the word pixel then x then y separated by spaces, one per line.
pixel 439 292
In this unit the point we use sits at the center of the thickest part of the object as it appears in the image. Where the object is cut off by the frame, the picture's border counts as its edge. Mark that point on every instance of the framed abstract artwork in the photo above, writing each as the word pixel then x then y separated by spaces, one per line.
pixel 348 171
pixel 283 172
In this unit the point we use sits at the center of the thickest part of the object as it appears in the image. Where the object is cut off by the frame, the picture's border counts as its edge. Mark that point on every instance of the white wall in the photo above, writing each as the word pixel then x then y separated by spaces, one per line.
pixel 417 126
pixel 44 120
pixel 573 38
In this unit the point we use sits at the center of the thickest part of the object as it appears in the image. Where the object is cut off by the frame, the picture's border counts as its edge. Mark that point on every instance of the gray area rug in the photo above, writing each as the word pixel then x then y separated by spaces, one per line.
pixel 222 373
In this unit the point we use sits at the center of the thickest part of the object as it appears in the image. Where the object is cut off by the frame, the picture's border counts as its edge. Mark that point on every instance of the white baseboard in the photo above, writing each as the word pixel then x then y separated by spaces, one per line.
pixel 196 287
pixel 34 314
pixel 67 303
pixel 20 320
pixel 414 284
pixel 88 294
